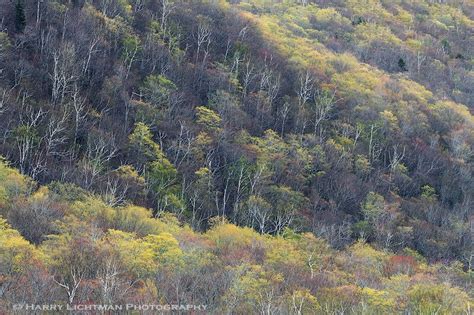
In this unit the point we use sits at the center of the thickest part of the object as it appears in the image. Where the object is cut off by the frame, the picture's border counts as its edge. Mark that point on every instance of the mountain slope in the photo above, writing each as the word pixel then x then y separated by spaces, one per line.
pixel 100 255
pixel 350 120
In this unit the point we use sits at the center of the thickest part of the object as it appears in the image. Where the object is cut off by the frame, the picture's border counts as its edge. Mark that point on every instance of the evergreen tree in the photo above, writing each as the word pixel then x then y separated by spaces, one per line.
pixel 402 65
pixel 20 19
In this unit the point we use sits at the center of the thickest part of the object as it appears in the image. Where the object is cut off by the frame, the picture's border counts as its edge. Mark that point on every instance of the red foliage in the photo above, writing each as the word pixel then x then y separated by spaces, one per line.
pixel 401 264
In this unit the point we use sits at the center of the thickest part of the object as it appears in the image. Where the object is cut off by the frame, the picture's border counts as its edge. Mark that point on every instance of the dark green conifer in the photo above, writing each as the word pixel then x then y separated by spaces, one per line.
pixel 20 19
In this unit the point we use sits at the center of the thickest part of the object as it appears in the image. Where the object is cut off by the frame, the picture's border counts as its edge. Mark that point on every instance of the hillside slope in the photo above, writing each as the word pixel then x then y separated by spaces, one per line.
pixel 96 255
pixel 334 124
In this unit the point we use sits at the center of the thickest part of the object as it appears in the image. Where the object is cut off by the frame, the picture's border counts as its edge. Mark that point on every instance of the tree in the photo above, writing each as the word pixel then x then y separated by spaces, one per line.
pixel 321 109
pixel 136 256
pixel 208 119
pixel 161 178
pixel 402 65
pixel 130 48
pixel 428 298
pixel 72 260
pixel 202 198
pixel 159 173
pixel 289 203
pixel 377 301
pixel 301 301
pixel 157 90
pixel 166 251
pixel 259 213
pixel 255 291
pixel 38 208
pixel 124 184
pixel 373 207
pixel 20 19
pixel 167 7
pixel 12 184
pixel 15 256
pixel 142 148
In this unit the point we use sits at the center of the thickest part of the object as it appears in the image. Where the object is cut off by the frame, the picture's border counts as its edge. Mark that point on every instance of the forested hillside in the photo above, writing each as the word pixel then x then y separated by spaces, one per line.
pixel 252 156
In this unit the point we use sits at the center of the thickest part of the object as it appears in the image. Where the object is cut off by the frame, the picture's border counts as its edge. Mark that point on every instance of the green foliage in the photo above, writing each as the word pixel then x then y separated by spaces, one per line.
pixel 402 64
pixel 144 150
pixel 67 192
pixel 161 175
pixel 95 241
pixel 329 116
pixel 362 165
pixel 373 207
pixel 426 299
pixel 4 45
pixel 157 90
pixel 428 192
pixel 130 46
pixel 208 119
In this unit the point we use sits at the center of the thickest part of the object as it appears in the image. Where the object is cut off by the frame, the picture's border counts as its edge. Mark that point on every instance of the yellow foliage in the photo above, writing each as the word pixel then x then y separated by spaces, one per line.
pixel 368 261
pixel 137 220
pixel 226 236
pixel 137 255
pixel 329 16
pixel 281 252
pixel 368 32
pixel 12 183
pixel 208 119
pixel 252 287
pixel 15 251
pixel 378 301
pixel 438 298
pixel 301 301
pixel 370 9
pixel 93 209
pixel 165 248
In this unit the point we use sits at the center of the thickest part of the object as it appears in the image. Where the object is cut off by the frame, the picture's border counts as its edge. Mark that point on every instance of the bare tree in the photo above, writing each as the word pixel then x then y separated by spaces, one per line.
pixel 182 145
pixel 71 283
pixel 375 149
pixel 115 193
pixel 259 212
pixel 137 5
pixel 167 7
pixel 63 72
pixel 203 41
pixel 130 54
pixel 395 158
pixel 99 152
pixel 304 93
pixel 248 76
pixel 91 50
pixel 108 275
pixel 26 134
pixel 283 112
pixel 55 135
pixel 323 105
pixel 78 105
